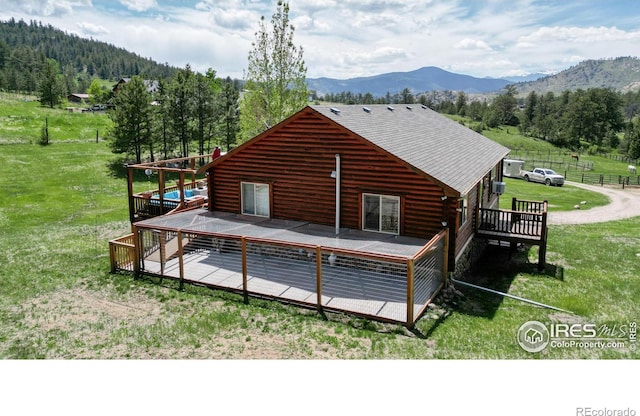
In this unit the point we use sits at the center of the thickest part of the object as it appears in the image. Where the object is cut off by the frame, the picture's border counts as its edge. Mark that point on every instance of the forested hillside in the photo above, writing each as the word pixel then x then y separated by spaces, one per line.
pixel 620 74
pixel 25 47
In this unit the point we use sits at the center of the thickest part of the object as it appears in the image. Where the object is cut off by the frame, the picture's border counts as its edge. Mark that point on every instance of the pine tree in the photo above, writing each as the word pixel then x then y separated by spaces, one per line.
pixel 132 120
pixel 50 90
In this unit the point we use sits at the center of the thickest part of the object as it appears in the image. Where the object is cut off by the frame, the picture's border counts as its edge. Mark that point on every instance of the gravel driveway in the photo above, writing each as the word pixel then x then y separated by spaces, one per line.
pixel 625 203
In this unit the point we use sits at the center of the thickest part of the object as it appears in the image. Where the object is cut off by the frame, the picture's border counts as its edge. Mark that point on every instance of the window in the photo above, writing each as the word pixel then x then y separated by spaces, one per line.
pixel 255 199
pixel 463 207
pixel 381 213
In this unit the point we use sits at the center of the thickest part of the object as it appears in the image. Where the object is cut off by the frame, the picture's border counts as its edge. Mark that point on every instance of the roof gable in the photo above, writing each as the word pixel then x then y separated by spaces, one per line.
pixel 450 154
pixel 430 142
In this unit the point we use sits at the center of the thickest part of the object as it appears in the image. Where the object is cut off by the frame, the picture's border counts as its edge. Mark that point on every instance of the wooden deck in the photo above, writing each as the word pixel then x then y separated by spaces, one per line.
pixel 525 223
pixel 343 289
pixel 379 276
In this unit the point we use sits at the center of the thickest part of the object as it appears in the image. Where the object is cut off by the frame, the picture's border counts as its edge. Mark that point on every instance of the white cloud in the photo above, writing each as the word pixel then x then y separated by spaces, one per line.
pixel 472 44
pixel 579 34
pixel 92 29
pixel 234 19
pixel 347 38
pixel 45 7
pixel 380 55
pixel 139 5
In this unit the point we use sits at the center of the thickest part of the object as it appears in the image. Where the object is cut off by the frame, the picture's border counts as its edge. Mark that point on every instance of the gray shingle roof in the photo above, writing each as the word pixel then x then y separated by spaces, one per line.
pixel 440 147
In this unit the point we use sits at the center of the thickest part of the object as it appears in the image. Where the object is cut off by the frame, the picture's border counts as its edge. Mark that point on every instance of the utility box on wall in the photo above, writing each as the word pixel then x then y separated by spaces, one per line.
pixel 498 187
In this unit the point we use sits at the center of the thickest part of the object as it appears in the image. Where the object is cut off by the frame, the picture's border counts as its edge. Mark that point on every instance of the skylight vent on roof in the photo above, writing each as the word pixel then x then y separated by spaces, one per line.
pixel 366 109
pixel 335 110
pixel 390 108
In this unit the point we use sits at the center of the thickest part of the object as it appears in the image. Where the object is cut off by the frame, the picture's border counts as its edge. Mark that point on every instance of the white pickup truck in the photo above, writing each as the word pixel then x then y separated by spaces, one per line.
pixel 542 175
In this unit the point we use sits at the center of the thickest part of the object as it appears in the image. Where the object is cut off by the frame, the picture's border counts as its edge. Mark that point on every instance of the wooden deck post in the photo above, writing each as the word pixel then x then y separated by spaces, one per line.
pixel 319 277
pixel 161 190
pixel 181 189
pixel 137 241
pixel 181 259
pixel 542 252
pixel 245 290
pixel 112 257
pixel 130 193
pixel 410 293
pixel 445 260
pixel 163 250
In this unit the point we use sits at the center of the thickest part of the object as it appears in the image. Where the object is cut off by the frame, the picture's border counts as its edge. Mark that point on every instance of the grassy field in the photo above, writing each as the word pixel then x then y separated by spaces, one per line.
pixel 22 119
pixel 560 198
pixel 61 204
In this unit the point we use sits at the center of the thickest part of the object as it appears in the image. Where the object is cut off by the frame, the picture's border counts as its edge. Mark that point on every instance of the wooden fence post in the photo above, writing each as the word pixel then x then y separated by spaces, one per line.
pixel 245 291
pixel 319 278
pixel 137 241
pixel 410 293
pixel 181 259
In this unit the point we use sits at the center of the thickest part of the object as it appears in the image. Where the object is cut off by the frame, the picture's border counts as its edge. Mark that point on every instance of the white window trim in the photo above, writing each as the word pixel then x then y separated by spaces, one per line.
pixel 364 214
pixel 464 210
pixel 255 199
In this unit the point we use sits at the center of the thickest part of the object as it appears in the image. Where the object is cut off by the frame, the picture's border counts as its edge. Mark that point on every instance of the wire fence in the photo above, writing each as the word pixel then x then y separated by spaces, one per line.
pixel 388 288
pixel 603 179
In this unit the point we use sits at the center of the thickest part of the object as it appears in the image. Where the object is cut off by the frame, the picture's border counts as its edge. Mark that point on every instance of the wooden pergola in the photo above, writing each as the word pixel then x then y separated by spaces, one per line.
pixel 152 203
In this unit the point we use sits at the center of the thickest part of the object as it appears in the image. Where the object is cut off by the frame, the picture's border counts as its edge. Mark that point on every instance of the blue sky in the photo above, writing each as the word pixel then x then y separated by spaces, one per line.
pixel 348 38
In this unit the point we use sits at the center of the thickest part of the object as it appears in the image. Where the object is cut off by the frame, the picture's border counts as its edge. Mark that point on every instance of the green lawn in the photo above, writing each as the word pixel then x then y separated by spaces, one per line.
pixel 62 203
pixel 22 119
pixel 562 198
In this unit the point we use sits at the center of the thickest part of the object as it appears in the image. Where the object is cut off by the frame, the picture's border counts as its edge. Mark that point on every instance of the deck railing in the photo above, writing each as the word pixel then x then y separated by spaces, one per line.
pixel 530 224
pixel 382 287
pixel 525 223
pixel 122 253
pixel 147 205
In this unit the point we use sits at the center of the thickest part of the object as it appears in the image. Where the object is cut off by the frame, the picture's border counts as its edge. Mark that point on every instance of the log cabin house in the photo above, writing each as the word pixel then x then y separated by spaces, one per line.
pixel 364 210
pixel 404 170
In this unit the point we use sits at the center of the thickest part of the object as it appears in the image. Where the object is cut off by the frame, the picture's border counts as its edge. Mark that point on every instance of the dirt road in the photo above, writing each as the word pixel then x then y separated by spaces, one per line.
pixel 625 203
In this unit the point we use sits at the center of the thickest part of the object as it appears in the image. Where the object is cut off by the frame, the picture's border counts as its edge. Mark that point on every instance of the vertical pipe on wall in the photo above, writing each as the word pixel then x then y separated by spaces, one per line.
pixel 337 194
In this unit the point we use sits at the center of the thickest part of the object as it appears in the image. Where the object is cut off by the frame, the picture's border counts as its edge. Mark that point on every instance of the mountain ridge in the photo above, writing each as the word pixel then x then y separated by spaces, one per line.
pixel 428 78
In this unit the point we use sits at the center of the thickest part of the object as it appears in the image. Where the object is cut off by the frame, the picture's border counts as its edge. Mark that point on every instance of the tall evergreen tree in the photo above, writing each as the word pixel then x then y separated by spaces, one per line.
pixel 181 107
pixel 51 88
pixel 275 78
pixel 206 109
pixel 132 120
pixel 229 121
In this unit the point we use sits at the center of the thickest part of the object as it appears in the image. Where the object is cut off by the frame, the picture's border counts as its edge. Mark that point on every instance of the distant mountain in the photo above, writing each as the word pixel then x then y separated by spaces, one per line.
pixel 620 74
pixel 526 78
pixel 421 80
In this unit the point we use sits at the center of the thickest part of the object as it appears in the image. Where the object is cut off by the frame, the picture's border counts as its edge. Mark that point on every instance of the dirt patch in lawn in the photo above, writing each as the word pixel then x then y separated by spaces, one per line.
pixel 84 324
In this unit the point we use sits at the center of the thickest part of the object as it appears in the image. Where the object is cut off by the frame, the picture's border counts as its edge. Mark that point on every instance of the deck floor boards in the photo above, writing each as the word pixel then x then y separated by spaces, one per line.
pixel 359 291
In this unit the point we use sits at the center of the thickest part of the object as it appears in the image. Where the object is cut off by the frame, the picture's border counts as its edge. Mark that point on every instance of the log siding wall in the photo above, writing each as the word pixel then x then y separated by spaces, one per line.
pixel 297 160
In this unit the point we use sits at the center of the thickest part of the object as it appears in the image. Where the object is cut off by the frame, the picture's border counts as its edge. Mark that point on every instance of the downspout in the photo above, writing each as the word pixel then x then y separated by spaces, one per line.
pixel 337 193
